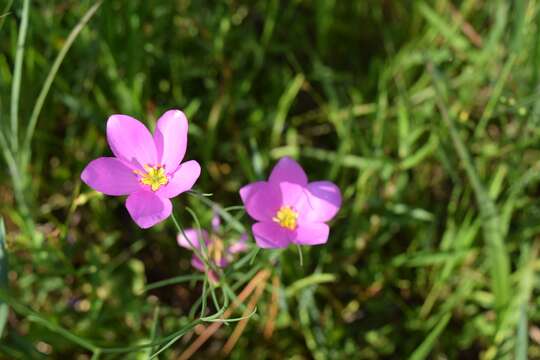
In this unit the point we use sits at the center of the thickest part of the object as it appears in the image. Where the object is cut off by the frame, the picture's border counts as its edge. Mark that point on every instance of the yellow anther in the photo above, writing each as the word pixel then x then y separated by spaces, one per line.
pixel 154 177
pixel 286 217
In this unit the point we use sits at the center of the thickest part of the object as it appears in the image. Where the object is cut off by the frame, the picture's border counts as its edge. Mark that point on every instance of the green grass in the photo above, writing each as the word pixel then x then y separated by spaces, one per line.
pixel 425 113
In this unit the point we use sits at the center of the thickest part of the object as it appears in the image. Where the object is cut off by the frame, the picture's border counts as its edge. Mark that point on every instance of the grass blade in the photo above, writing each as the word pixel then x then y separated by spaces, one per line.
pixel 153 332
pixel 17 73
pixel 314 279
pixel 497 254
pixel 5 13
pixel 522 337
pixel 284 105
pixel 51 76
pixel 425 348
pixel 3 275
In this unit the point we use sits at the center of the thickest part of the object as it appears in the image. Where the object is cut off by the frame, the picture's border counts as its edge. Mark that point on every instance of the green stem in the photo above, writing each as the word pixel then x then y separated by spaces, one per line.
pixel 197 252
pixel 300 256
pixel 208 265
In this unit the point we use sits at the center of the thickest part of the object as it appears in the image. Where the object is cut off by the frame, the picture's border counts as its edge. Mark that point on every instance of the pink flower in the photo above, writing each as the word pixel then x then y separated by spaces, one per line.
pixel 217 252
pixel 288 209
pixel 146 168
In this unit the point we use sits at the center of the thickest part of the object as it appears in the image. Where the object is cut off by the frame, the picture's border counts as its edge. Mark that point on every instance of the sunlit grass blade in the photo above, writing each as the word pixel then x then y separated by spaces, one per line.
pixel 36 111
pixel 17 75
pixel 283 108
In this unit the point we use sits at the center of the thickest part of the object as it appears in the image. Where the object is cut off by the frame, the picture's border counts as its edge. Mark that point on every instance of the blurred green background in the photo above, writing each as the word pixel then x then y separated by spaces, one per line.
pixel 425 113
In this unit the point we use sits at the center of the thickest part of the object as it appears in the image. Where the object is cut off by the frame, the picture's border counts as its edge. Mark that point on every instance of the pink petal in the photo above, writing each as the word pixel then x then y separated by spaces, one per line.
pixel 239 246
pixel 171 139
pixel 263 204
pixel 197 263
pixel 110 176
pixel 321 204
pixel 289 170
pixel 249 189
pixel 182 180
pixel 311 234
pixel 271 235
pixel 223 262
pixel 292 194
pixel 147 209
pixel 131 141
pixel 216 220
pixel 192 240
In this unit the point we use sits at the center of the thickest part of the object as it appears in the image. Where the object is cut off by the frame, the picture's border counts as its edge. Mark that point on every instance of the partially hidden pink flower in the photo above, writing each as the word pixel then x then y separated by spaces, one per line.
pixel 147 168
pixel 218 253
pixel 288 209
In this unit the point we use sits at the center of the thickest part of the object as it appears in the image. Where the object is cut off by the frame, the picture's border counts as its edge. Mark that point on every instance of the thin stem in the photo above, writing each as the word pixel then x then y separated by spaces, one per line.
pixel 172 281
pixel 258 280
pixel 209 266
pixel 204 297
pixel 300 256
pixel 200 239
pixel 237 225
pixel 197 252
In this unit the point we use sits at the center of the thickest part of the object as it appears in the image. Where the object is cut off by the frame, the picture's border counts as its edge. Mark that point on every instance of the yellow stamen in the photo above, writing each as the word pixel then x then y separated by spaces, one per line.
pixel 286 217
pixel 154 177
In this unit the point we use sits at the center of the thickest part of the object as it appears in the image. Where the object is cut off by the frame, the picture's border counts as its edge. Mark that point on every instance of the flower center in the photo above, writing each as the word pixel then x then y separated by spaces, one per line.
pixel 286 217
pixel 154 177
